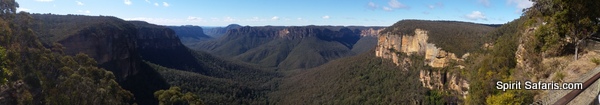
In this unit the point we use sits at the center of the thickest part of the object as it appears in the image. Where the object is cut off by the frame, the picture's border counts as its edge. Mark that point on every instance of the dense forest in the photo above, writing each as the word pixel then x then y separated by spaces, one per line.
pixel 74 59
pixel 34 74
pixel 361 79
pixel 285 48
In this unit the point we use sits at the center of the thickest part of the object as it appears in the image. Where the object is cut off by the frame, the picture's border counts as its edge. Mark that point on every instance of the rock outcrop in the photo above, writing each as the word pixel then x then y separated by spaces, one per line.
pixel 160 45
pixel 444 81
pixel 392 46
pixel 372 32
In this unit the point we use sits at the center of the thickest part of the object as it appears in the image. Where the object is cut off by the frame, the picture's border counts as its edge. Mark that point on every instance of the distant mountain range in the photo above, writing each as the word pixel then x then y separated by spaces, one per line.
pixel 289 47
pixel 124 47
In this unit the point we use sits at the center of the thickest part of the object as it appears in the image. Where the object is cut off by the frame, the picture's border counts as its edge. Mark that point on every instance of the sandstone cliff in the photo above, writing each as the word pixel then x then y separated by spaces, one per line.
pixel 390 45
pixel 372 32
pixel 160 45
pixel 393 46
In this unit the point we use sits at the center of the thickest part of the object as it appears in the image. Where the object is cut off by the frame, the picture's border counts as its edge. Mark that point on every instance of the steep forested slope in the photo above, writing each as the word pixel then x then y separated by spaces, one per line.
pixel 34 74
pixel 361 79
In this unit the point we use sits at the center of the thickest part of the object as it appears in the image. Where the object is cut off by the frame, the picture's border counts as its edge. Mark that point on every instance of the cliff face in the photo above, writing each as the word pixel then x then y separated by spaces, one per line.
pixel 392 46
pixel 190 34
pixel 291 33
pixel 160 45
pixel 114 49
pixel 155 37
pixel 287 47
pixel 109 40
pixel 219 31
pixel 371 32
pixel 444 81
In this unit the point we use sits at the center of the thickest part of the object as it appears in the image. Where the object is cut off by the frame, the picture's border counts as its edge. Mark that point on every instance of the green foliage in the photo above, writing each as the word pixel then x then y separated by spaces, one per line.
pixel 8 8
pixel 252 89
pixel 53 28
pixel 361 79
pixel 173 96
pixel 80 82
pixel 560 19
pixel 511 97
pixel 559 76
pixel 4 72
pixel 42 76
pixel 595 61
pixel 435 97
pixel 497 63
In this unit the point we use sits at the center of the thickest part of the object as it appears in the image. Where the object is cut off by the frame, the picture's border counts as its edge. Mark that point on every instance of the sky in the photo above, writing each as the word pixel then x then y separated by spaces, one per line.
pixel 286 12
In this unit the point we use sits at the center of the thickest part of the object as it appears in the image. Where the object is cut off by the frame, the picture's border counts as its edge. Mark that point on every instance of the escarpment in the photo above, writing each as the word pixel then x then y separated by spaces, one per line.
pixel 440 45
pixel 161 45
pixel 390 46
pixel 393 47
pixel 109 40
pixel 290 47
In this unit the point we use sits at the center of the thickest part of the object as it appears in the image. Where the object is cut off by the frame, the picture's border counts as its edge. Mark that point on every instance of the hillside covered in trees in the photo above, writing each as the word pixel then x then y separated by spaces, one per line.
pixel 34 74
pixel 75 59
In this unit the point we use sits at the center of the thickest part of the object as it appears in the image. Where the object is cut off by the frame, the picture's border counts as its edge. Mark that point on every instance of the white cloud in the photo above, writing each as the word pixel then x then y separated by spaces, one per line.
pixel 193 18
pixel 485 3
pixel 436 5
pixel 79 3
pixel 275 18
pixel 396 4
pixel 214 19
pixel 44 0
pixel 520 4
pixel 325 17
pixel 229 19
pixel 147 1
pixel 387 9
pixel 476 15
pixel 372 5
pixel 166 4
pixel 255 19
pixel 299 18
pixel 156 4
pixel 127 2
pixel 23 9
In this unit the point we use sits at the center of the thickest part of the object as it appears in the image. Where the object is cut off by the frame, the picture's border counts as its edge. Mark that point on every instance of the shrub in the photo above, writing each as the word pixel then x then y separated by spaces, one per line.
pixel 559 76
pixel 596 61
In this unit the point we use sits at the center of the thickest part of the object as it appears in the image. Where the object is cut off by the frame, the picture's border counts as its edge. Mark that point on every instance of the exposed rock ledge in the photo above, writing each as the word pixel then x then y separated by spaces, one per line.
pixel 391 45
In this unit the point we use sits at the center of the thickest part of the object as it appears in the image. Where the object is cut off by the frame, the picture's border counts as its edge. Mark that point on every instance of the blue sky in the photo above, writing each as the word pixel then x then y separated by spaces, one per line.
pixel 286 12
